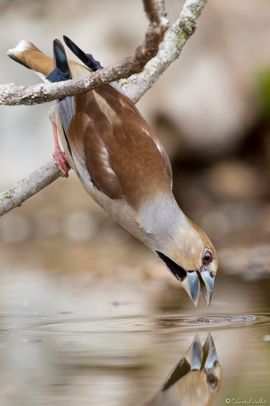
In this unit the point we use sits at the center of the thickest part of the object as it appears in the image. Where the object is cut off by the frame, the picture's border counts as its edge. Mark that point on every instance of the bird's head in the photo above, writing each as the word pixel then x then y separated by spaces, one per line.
pixel 192 258
pixel 182 245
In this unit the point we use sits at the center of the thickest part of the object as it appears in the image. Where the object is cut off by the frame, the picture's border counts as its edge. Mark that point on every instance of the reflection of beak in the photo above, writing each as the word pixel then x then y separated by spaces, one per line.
pixel 196 281
pixel 211 365
pixel 199 356
pixel 194 354
pixel 210 353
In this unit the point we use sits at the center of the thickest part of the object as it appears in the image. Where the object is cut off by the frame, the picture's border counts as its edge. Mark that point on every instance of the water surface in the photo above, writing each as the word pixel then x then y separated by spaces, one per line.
pixel 66 340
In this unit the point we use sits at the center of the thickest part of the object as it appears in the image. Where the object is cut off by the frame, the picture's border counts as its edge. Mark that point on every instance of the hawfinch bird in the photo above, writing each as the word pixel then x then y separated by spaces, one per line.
pixel 195 380
pixel 123 166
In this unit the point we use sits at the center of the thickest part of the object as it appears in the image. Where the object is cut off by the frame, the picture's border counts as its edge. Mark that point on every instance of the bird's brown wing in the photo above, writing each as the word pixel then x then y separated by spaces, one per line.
pixel 121 153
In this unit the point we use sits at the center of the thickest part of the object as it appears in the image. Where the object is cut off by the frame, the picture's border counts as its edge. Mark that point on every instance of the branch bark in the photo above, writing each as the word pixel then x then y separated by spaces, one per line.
pixel 135 86
pixel 169 50
pixel 27 187
pixel 11 95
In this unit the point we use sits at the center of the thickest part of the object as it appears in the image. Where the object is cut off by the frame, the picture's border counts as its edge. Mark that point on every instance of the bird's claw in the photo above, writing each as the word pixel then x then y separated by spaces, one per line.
pixel 60 158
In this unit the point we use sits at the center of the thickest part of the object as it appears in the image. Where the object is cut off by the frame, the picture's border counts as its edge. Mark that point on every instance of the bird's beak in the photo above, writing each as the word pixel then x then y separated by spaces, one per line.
pixel 199 281
pixel 193 282
pixel 207 285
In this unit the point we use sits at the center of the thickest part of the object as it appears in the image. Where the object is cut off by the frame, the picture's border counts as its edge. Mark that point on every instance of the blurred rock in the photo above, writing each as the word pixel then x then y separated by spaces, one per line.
pixel 252 263
pixel 235 180
pixel 216 223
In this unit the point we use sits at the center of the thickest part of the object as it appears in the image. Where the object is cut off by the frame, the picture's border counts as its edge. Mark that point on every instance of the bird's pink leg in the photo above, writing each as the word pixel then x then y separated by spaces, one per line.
pixel 58 155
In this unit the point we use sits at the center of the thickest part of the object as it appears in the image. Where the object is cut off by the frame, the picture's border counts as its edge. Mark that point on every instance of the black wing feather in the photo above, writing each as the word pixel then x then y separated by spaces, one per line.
pixel 87 59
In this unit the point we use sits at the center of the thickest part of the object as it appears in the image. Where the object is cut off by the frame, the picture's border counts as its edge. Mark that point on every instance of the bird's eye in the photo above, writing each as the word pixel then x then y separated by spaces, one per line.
pixel 207 257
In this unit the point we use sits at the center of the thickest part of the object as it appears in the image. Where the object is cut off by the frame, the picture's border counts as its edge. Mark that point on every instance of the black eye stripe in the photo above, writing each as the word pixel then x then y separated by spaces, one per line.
pixel 175 269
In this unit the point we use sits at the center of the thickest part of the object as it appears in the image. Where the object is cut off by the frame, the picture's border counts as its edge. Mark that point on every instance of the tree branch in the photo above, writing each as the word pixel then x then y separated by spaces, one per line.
pixel 135 86
pixel 27 187
pixel 11 95
pixel 169 50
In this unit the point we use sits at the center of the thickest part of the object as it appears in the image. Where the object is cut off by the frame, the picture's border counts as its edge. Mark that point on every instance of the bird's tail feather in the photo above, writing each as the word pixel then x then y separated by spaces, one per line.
pixel 87 59
pixel 62 70
pixel 28 55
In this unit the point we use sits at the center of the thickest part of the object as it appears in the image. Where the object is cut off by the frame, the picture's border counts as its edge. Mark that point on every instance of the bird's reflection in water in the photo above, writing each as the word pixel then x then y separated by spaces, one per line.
pixel 195 379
